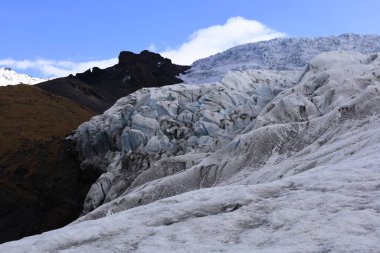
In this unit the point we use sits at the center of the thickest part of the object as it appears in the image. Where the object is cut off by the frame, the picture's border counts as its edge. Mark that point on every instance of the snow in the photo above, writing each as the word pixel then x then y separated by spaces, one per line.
pixel 276 54
pixel 10 77
pixel 260 161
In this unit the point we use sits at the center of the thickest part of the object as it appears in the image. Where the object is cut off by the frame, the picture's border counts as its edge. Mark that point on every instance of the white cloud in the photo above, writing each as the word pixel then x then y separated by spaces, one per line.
pixel 214 39
pixel 50 68
pixel 202 43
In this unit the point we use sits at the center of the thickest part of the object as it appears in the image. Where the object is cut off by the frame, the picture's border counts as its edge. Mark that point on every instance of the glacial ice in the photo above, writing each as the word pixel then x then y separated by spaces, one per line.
pixel 175 120
pixel 239 115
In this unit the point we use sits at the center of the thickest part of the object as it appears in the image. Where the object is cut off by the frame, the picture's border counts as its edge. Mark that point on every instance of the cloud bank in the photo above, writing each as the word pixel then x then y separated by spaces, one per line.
pixel 214 39
pixel 202 43
pixel 50 68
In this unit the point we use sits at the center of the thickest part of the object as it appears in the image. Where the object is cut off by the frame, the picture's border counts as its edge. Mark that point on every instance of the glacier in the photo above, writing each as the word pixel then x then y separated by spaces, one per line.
pixel 262 160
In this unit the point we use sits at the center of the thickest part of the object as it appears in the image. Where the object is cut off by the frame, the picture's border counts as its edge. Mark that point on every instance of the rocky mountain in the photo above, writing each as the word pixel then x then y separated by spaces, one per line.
pixel 41 184
pixel 263 160
pixel 98 89
pixel 10 77
pixel 277 54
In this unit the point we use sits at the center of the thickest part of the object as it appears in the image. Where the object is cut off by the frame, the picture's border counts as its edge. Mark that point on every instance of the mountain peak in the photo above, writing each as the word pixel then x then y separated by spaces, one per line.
pixel 11 77
pixel 98 89
pixel 145 56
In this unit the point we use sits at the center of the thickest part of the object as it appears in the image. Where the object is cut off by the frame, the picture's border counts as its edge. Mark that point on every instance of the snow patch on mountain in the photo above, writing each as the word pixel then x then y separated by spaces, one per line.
pixel 276 54
pixel 10 77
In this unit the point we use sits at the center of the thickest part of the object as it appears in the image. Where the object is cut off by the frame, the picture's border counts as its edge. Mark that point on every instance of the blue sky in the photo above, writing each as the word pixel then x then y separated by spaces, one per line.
pixel 61 33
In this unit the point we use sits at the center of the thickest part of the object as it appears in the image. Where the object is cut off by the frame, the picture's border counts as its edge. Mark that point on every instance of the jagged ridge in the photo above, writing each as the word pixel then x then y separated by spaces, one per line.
pixel 98 89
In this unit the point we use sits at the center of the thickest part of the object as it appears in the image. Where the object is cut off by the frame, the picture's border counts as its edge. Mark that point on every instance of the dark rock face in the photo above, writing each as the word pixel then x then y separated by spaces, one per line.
pixel 98 89
pixel 43 188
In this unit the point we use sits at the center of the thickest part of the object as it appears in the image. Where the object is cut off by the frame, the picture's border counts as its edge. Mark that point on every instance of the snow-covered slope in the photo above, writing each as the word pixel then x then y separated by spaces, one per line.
pixel 277 54
pixel 296 172
pixel 332 207
pixel 10 77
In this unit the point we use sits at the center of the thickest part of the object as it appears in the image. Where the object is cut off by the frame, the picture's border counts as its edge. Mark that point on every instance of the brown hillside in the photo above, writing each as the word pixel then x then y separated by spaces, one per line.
pixel 41 184
pixel 29 114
